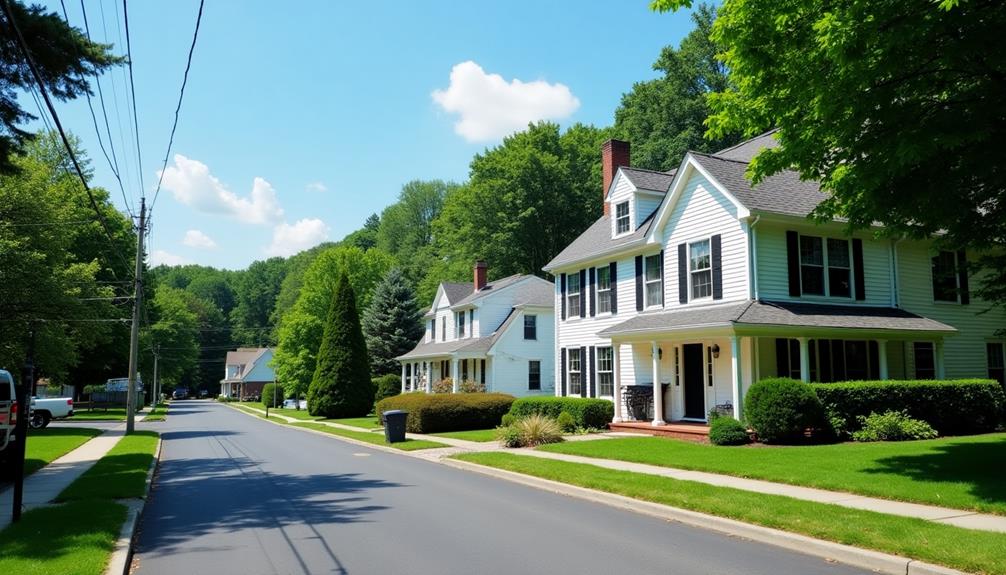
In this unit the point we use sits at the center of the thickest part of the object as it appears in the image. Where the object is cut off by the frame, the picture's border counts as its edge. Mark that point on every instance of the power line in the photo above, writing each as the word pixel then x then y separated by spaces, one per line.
pixel 132 89
pixel 59 126
pixel 178 108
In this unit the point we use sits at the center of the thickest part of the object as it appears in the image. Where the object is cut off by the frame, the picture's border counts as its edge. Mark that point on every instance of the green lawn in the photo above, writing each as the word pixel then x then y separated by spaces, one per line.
pixel 958 472
pixel 369 437
pixel 121 473
pixel 46 445
pixel 110 414
pixel 294 413
pixel 72 539
pixel 158 413
pixel 369 422
pixel 480 435
pixel 965 549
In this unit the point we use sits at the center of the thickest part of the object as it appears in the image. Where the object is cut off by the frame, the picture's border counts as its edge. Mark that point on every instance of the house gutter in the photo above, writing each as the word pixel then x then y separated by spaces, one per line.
pixel 753 239
pixel 895 274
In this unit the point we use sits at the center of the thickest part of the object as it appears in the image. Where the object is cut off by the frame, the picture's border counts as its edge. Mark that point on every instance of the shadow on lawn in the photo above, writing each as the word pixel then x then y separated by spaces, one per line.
pixel 978 464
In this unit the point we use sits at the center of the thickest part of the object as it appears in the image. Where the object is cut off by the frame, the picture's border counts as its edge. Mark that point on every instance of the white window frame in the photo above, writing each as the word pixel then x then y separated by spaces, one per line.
pixel 627 218
pixel 826 267
pixel 571 354
pixel 573 311
pixel 647 282
pixel 529 363
pixel 443 328
pixel 459 324
pixel 692 272
pixel 610 372
pixel 606 292
pixel 534 318
pixel 957 279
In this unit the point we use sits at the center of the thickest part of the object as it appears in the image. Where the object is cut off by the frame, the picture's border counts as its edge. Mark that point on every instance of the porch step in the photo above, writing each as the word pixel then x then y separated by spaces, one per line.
pixel 678 430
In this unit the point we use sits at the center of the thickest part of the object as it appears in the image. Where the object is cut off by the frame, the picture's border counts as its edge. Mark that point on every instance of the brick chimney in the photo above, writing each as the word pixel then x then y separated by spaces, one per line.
pixel 480 275
pixel 614 154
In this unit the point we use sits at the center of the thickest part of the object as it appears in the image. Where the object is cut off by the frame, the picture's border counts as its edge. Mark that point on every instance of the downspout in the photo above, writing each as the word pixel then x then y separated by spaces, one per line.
pixel 895 273
pixel 754 257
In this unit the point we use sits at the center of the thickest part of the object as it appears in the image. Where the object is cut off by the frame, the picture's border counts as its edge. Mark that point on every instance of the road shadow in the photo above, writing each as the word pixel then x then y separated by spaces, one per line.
pixel 194 433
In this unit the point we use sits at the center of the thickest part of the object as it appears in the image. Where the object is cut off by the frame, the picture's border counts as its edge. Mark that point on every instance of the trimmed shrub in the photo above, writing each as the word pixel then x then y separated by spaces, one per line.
pixel 892 426
pixel 510 436
pixel 952 407
pixel 566 422
pixel 728 431
pixel 433 413
pixel 273 395
pixel 587 412
pixel 508 419
pixel 780 409
pixel 387 386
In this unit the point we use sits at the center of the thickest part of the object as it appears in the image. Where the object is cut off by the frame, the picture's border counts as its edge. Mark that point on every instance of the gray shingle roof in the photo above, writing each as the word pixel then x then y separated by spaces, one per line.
pixel 457 291
pixel 597 240
pixel 476 345
pixel 649 179
pixel 783 193
pixel 489 288
pixel 748 149
pixel 784 314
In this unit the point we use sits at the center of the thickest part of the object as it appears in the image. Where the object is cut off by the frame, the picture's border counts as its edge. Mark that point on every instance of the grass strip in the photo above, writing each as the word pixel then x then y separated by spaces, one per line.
pixel 301 414
pixel 120 474
pixel 369 422
pixel 969 550
pixel 110 414
pixel 479 435
pixel 374 438
pixel 956 472
pixel 158 413
pixel 76 538
pixel 46 445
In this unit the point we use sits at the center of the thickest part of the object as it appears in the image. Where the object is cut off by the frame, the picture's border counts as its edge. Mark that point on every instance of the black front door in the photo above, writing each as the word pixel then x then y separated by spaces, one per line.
pixel 695 401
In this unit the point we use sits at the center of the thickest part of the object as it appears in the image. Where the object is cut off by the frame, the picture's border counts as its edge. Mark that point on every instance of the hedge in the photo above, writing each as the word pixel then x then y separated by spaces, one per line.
pixel 587 412
pixel 781 409
pixel 386 386
pixel 952 407
pixel 433 413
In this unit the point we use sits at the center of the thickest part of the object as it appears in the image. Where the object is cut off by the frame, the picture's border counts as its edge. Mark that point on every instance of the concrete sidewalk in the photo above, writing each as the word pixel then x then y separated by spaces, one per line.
pixel 41 487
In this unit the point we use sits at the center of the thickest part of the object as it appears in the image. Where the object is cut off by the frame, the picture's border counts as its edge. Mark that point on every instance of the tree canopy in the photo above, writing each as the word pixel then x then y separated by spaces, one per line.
pixel 391 323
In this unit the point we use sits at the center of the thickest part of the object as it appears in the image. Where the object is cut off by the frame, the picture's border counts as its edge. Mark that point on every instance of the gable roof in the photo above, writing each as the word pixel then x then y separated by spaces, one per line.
pixel 490 288
pixel 748 149
pixel 246 358
pixel 648 179
pixel 784 193
pixel 456 292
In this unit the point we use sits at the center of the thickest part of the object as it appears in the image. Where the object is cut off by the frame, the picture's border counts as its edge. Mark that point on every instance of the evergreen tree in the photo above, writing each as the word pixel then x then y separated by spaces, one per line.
pixel 392 322
pixel 341 385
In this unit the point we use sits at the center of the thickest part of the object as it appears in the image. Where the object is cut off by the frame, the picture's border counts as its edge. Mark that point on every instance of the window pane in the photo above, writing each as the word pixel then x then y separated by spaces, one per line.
pixel 622 218
pixel 622 210
pixel 702 284
pixel 811 251
pixel 573 283
pixel 530 327
pixel 534 374
pixel 604 359
pixel 699 255
pixel 603 278
pixel 653 294
pixel 812 278
pixel 838 282
pixel 652 268
pixel 945 277
pixel 996 361
pixel 838 253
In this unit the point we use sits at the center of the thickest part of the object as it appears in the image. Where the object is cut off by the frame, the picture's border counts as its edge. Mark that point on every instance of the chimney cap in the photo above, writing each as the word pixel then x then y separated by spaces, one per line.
pixel 481 264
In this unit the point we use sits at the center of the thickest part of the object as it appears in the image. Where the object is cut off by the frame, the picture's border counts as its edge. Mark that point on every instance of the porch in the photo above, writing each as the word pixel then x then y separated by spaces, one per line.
pixel 689 431
pixel 422 374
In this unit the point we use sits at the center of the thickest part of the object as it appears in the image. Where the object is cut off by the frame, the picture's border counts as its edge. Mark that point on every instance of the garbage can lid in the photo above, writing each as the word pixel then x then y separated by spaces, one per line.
pixel 395 412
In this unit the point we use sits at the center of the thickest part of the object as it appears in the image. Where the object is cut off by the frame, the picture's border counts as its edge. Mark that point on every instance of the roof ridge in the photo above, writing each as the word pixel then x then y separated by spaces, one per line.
pixel 715 157
pixel 739 144
pixel 646 170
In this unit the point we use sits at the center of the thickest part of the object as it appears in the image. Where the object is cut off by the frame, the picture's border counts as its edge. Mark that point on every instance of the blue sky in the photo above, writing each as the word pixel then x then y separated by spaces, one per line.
pixel 298 124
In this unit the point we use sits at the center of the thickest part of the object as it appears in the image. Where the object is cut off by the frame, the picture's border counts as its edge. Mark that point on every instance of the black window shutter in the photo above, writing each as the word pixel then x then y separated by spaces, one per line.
pixel 562 377
pixel 613 276
pixel 639 283
pixel 583 296
pixel 716 246
pixel 562 294
pixel 593 290
pixel 592 392
pixel 782 357
pixel 662 296
pixel 793 262
pixel 962 276
pixel 857 268
pixel 682 273
pixel 584 371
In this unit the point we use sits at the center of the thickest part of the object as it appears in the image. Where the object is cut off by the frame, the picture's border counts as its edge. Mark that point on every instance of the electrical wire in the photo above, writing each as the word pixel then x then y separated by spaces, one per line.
pixel 132 90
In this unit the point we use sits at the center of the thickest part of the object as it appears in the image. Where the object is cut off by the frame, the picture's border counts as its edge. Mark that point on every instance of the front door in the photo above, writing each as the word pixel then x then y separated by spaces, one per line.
pixel 695 392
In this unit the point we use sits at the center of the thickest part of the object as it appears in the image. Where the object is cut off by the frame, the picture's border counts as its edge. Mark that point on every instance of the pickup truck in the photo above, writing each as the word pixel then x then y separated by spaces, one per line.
pixel 45 410
pixel 8 413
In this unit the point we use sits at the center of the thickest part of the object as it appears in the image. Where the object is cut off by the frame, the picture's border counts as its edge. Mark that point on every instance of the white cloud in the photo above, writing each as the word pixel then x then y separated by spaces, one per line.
pixel 197 239
pixel 161 257
pixel 490 108
pixel 289 239
pixel 192 184
pixel 316 187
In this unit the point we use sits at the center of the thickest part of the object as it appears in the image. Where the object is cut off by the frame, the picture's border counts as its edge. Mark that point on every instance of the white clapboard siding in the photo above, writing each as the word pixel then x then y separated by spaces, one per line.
pixel 511 354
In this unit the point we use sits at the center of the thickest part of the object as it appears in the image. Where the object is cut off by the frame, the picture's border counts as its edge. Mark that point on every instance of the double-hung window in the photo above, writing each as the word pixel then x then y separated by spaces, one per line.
pixel 461 324
pixel 945 277
pixel 652 279
pixel 534 375
pixel 825 267
pixel 443 328
pixel 700 269
pixel 530 327
pixel 433 330
pixel 573 370
pixel 621 218
pixel 996 361
pixel 605 372
pixel 604 289
pixel 573 295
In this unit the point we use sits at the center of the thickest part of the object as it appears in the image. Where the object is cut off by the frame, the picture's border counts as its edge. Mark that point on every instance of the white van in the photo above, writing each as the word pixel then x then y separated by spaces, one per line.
pixel 8 411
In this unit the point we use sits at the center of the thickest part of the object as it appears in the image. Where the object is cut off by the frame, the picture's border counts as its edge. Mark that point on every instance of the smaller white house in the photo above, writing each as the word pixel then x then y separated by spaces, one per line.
pixel 500 335
pixel 247 371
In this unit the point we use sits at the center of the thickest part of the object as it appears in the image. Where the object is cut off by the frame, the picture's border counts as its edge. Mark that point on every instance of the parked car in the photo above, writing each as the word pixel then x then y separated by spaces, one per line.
pixel 180 393
pixel 204 393
pixel 45 410
pixel 8 413
pixel 292 404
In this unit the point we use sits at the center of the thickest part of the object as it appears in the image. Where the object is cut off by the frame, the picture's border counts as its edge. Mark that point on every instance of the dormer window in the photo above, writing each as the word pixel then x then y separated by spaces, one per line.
pixel 621 218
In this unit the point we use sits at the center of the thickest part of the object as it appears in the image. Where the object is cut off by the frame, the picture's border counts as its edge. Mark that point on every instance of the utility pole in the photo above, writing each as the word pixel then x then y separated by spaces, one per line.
pixel 21 427
pixel 134 336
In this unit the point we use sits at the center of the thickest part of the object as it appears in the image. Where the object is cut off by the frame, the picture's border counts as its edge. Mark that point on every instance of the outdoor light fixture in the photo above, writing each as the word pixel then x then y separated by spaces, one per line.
pixel 716 351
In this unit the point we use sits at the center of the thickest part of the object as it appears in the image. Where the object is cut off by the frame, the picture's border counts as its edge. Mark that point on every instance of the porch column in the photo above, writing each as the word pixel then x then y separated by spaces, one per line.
pixel 454 376
pixel 616 392
pixel 940 367
pixel 882 358
pixel 658 395
pixel 429 377
pixel 735 374
pixel 804 359
pixel 403 377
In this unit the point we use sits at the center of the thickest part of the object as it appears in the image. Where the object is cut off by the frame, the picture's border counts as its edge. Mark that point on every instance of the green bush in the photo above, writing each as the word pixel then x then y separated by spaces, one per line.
pixel 537 429
pixel 728 431
pixel 566 422
pixel 587 412
pixel 387 386
pixel 892 426
pixel 508 419
pixel 780 409
pixel 273 395
pixel 510 436
pixel 434 413
pixel 952 407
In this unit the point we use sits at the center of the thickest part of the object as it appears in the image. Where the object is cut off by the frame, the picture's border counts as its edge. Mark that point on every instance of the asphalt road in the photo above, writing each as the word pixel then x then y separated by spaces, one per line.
pixel 238 495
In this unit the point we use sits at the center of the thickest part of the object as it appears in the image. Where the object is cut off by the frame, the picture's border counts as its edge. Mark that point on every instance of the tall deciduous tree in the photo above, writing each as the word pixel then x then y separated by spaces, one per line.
pixel 341 384
pixel 256 291
pixel 391 322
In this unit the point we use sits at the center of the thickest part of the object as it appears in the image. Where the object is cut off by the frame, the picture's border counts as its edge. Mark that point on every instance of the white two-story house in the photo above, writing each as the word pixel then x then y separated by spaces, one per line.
pixel 695 284
pixel 498 334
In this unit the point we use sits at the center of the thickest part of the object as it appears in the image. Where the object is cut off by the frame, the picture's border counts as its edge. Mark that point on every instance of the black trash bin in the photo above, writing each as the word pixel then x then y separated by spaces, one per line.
pixel 394 425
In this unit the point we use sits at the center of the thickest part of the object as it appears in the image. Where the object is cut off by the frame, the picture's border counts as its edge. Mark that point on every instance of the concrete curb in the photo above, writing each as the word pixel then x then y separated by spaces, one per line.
pixel 122 555
pixel 846 554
